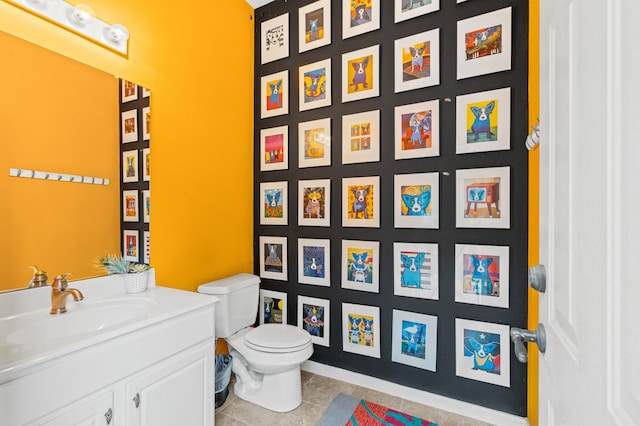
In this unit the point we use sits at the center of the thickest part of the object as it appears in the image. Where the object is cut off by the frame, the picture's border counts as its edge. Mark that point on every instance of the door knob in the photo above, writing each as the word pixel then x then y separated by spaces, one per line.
pixel 538 278
pixel 519 336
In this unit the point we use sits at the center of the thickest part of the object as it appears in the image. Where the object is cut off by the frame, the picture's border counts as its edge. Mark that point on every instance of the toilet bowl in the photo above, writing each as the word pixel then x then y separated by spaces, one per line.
pixel 266 358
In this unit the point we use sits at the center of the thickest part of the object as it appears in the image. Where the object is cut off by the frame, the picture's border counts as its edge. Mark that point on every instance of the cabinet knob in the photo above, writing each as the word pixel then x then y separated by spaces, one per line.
pixel 108 416
pixel 136 400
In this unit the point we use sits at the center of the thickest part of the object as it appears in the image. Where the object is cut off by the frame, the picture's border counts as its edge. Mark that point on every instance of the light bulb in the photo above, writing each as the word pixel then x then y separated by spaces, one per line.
pixel 80 15
pixel 116 33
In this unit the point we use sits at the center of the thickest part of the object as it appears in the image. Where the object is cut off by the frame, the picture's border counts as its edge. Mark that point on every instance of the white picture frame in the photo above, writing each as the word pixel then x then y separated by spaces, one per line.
pixel 314 261
pixel 274 39
pixel 361 202
pixel 361 265
pixel 146 205
pixel 360 19
pixel 274 94
pixel 314 316
pixel 273 257
pixel 483 121
pixel 414 339
pixel 130 206
pixel 478 344
pixel 417 61
pixel 315 85
pixel 314 202
pixel 360 74
pixel 273 307
pixel 314 143
pixel 416 200
pixel 313 35
pixel 404 9
pixel 417 130
pixel 274 206
pixel 361 137
pixel 415 270
pixel 361 340
pixel 487 188
pixel 130 166
pixel 129 126
pixel 274 148
pixel 483 44
pixel 482 275
pixel 131 245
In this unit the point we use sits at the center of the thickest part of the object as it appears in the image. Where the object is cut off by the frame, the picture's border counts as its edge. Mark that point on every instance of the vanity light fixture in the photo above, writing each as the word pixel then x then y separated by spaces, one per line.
pixel 80 19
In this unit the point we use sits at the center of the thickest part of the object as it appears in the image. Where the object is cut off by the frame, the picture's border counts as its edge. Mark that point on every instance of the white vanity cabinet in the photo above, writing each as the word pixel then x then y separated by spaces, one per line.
pixel 154 374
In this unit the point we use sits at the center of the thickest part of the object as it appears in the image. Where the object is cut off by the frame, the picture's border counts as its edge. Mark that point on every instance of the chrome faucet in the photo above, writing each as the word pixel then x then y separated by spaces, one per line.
pixel 59 294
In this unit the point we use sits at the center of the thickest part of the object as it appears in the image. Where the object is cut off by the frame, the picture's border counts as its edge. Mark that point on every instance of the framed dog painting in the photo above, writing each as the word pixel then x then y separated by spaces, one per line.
pixel 359 17
pixel 361 265
pixel 483 121
pixel 315 85
pixel 416 199
pixel 274 204
pixel 314 143
pixel 483 198
pixel 129 126
pixel 146 206
pixel 273 258
pixel 415 270
pixel 314 207
pixel 417 130
pixel 414 339
pixel 483 44
pixel 479 348
pixel 314 23
pixel 314 261
pixel 360 79
pixel 417 61
pixel 274 148
pixel 407 9
pixel 130 206
pixel 274 39
pixel 131 245
pixel 274 94
pixel 129 91
pixel 314 316
pixel 361 202
pixel 130 166
pixel 482 275
pixel 361 137
pixel 273 307
pixel 361 329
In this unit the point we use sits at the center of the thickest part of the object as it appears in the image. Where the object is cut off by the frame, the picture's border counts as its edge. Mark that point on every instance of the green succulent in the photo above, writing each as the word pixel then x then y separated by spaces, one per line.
pixel 117 264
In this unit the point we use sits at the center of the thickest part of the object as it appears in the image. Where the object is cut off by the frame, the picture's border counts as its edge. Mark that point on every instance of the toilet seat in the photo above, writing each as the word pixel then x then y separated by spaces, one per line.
pixel 277 338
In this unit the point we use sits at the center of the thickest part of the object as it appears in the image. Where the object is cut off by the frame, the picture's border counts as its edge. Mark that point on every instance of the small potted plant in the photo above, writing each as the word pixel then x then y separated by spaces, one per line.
pixel 135 274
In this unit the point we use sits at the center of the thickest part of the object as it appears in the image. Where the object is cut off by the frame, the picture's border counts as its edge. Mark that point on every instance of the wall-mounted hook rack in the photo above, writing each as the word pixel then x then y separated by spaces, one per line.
pixel 61 177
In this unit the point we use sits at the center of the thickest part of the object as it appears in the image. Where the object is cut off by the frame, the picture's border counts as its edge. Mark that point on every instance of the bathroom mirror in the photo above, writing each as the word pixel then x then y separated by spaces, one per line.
pixel 58 116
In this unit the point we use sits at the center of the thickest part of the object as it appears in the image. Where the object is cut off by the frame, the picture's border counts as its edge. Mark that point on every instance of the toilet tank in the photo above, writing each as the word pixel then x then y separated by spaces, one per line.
pixel 238 306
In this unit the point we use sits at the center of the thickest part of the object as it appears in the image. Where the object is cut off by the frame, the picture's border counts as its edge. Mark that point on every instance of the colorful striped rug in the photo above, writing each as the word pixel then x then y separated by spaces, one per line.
pixel 349 411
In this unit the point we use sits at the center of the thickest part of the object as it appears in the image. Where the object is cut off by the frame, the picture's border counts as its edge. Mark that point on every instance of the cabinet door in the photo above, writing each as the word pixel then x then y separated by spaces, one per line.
pixel 96 410
pixel 178 391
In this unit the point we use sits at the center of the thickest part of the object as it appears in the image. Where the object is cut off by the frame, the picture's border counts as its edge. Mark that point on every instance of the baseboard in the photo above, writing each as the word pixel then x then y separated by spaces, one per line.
pixel 484 414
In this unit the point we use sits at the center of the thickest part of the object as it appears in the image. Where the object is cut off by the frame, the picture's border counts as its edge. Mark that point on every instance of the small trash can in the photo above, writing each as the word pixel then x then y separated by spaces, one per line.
pixel 223 374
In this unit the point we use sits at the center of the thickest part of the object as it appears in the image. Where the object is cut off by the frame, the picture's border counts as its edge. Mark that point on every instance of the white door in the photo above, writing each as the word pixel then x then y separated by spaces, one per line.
pixel 590 211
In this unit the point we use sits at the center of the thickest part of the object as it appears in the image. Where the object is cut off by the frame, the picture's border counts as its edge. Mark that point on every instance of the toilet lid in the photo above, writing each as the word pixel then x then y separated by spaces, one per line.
pixel 277 338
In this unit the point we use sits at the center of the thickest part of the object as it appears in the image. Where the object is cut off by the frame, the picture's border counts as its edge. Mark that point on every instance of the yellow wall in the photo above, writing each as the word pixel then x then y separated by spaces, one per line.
pixel 52 122
pixel 194 58
pixel 534 190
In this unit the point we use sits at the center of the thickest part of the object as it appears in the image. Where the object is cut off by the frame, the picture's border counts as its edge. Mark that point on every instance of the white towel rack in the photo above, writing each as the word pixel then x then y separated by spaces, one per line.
pixel 60 177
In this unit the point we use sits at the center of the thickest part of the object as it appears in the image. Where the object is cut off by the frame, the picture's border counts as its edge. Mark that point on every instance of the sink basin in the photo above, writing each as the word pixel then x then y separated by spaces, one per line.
pixel 80 319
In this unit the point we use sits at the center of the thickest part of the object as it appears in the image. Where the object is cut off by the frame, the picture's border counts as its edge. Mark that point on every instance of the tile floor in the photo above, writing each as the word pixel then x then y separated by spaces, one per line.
pixel 317 393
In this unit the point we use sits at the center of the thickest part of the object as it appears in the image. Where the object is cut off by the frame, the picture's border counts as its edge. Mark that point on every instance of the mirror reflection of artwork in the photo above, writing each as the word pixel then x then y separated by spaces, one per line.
pixel 130 126
pixel 130 245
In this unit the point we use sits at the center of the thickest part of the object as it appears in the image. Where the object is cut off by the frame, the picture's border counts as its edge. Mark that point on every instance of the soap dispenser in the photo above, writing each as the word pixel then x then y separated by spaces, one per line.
pixel 39 278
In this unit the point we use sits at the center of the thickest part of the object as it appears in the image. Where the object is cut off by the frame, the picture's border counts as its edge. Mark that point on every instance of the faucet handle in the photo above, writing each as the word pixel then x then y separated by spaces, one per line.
pixel 60 281
pixel 39 278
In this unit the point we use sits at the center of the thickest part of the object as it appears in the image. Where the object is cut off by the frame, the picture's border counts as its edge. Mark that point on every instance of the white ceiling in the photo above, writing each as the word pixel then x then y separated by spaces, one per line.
pixel 257 3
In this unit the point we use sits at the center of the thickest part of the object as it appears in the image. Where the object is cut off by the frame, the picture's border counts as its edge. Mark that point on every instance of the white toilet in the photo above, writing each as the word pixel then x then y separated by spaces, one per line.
pixel 267 358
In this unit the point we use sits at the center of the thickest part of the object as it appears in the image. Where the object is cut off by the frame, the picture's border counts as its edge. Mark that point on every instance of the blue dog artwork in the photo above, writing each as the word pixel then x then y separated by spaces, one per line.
pixel 359 268
pixel 274 99
pixel 313 320
pixel 482 124
pixel 414 339
pixel 411 267
pixel 484 349
pixel 416 201
pixel 314 261
pixel 481 280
